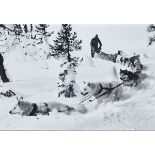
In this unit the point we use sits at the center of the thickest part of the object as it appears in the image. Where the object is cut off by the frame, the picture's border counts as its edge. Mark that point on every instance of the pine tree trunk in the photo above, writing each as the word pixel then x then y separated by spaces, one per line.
pixel 69 57
pixel 3 74
pixel 2 70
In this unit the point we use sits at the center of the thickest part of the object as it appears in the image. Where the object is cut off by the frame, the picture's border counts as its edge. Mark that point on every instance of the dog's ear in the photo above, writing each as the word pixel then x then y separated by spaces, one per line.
pixel 19 103
pixel 19 98
pixel 89 84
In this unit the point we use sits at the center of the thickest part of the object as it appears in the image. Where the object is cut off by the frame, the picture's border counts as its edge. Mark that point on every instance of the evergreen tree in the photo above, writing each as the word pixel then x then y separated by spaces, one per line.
pixel 66 42
pixel 41 28
pixel 25 28
pixel 29 37
pixel 17 28
pixel 31 27
pixel 42 33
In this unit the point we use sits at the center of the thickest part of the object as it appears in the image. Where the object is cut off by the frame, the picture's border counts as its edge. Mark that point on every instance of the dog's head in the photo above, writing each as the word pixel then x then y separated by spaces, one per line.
pixel 25 109
pixel 124 75
pixel 16 110
pixel 88 88
pixel 30 109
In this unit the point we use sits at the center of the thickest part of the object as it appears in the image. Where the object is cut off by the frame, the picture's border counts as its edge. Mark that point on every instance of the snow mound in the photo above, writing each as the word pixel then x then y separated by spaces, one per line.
pixel 135 111
pixel 102 70
pixel 87 62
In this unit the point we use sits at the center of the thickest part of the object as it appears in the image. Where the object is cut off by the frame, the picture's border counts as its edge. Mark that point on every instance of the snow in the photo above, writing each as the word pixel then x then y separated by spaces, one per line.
pixel 97 70
pixel 35 79
pixel 135 111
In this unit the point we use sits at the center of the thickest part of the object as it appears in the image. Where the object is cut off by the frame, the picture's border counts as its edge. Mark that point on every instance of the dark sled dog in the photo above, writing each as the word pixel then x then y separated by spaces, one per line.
pixel 130 79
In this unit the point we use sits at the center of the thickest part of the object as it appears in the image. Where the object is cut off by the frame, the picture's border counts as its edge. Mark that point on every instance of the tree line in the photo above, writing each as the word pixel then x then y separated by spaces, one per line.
pixel 35 38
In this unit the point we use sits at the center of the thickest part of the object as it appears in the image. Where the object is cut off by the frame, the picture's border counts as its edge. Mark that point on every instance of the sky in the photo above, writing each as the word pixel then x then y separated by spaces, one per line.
pixel 129 38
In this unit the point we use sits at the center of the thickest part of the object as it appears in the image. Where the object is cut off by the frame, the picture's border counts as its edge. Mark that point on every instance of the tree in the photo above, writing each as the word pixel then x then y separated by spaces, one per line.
pixel 66 42
pixel 150 29
pixel 41 30
pixel 28 36
pixel 31 39
pixel 2 70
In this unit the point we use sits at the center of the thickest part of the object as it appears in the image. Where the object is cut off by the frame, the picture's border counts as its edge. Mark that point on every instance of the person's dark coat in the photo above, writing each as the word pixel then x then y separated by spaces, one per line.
pixel 96 43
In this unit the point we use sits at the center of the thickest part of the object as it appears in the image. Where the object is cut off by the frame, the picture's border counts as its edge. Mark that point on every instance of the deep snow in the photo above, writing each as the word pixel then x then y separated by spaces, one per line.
pixel 37 83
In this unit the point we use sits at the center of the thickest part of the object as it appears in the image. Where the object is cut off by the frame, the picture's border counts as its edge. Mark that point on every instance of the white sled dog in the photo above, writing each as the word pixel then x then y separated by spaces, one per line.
pixel 102 91
pixel 25 108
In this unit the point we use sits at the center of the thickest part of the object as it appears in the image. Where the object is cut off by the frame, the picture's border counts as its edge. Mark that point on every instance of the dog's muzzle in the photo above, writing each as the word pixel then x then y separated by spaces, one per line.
pixel 82 93
pixel 10 112
pixel 123 78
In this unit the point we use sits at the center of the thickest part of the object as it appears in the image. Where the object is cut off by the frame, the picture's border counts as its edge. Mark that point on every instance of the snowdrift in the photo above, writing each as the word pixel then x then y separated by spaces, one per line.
pixel 97 70
pixel 135 111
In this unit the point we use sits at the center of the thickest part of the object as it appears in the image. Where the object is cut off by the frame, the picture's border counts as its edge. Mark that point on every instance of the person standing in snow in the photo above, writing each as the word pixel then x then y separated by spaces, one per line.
pixel 118 56
pixel 95 45
pixel 2 70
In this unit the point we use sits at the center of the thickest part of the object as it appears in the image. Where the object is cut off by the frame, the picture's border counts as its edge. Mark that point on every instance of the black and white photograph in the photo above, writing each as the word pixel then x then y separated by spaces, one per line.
pixel 77 77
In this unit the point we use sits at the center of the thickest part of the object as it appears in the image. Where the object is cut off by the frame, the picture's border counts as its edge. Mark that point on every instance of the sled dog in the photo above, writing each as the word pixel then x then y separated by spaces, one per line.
pixel 25 108
pixel 105 56
pixel 98 88
pixel 130 79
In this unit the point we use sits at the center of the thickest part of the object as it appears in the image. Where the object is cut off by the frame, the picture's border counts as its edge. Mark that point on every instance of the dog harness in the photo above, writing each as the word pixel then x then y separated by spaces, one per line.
pixel 34 110
pixel 109 89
